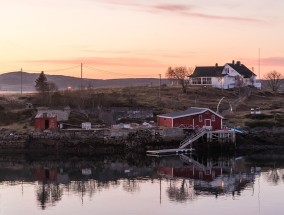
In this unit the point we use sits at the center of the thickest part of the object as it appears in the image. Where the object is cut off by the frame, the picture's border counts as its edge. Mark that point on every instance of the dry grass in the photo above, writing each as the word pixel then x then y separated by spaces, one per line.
pixel 164 100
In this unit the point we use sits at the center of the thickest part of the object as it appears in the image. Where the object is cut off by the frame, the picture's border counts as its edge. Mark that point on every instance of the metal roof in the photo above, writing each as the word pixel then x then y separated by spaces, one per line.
pixel 48 115
pixel 62 115
pixel 189 112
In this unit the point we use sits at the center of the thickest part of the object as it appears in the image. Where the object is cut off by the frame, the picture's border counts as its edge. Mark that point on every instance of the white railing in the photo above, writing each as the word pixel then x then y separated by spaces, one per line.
pixel 188 160
pixel 200 132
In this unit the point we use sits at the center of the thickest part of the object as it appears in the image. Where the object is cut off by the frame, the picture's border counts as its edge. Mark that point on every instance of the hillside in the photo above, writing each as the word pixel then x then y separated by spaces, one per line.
pixel 12 81
pixel 85 103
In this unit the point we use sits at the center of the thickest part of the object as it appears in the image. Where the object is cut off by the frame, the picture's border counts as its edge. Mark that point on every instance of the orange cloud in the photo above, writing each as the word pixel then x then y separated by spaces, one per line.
pixel 171 7
pixel 119 61
pixel 180 9
pixel 185 10
pixel 226 18
pixel 273 61
pixel 157 53
pixel 270 61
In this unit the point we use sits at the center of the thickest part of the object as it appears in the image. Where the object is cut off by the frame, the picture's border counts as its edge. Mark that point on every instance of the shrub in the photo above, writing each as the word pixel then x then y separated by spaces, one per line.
pixel 259 116
pixel 254 124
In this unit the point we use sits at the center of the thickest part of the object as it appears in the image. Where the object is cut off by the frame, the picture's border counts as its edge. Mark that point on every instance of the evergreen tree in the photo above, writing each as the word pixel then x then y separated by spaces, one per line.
pixel 41 83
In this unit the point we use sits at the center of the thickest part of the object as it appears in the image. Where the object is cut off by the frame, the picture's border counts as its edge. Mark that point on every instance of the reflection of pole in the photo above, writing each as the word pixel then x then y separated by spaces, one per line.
pixel 160 191
pixel 258 194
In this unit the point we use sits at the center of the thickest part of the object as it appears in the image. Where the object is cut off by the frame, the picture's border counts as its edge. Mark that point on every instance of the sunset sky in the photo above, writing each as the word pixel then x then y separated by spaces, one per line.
pixel 139 38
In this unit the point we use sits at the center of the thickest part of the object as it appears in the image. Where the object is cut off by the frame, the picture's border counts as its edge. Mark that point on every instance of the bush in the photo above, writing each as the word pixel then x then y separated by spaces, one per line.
pixel 259 116
pixel 267 124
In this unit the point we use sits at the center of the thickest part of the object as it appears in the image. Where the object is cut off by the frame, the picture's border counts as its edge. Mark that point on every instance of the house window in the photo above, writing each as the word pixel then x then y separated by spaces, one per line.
pixel 200 118
pixel 213 118
pixel 196 81
pixel 206 81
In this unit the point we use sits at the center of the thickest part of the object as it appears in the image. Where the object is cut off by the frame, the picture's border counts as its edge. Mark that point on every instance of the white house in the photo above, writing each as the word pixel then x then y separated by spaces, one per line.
pixel 229 76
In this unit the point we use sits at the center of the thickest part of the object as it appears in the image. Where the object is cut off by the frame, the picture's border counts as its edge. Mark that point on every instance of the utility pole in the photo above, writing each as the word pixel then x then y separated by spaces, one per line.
pixel 81 76
pixel 21 81
pixel 259 64
pixel 160 87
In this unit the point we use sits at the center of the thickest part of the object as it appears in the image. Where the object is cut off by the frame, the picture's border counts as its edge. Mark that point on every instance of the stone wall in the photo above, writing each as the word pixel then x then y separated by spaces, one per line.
pixel 91 140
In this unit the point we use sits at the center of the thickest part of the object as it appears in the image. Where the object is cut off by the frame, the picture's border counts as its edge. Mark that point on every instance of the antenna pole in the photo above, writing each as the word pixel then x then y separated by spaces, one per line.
pixel 81 76
pixel 259 63
pixel 21 81
pixel 160 86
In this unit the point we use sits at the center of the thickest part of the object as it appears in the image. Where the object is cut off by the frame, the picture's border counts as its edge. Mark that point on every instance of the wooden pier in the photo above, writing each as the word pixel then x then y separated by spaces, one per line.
pixel 168 151
pixel 220 136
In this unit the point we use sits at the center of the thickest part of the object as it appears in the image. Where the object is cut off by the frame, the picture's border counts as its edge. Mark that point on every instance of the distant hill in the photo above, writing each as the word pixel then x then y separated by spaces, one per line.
pixel 12 81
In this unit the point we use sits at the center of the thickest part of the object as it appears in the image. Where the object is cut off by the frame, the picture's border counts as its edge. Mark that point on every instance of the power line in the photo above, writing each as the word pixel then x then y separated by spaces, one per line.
pixel 102 71
pixel 117 73
pixel 63 69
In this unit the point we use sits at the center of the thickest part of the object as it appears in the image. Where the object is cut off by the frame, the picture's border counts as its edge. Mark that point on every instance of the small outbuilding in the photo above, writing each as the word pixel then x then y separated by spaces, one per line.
pixel 45 121
pixel 191 118
pixel 48 119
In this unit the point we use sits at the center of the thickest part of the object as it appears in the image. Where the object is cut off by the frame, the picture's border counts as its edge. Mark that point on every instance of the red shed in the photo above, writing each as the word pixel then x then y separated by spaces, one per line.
pixel 45 121
pixel 191 118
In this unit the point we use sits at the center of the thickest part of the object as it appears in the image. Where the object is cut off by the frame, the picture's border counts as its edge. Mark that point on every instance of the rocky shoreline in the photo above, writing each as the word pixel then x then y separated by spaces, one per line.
pixel 91 141
pixel 125 140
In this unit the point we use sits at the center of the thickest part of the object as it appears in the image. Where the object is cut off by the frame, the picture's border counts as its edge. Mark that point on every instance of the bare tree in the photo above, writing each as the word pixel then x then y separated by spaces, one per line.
pixel 274 80
pixel 179 74
pixel 239 83
pixel 52 87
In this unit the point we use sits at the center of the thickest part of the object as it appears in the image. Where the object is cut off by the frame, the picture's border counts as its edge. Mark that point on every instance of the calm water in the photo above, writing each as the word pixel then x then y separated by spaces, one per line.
pixel 139 185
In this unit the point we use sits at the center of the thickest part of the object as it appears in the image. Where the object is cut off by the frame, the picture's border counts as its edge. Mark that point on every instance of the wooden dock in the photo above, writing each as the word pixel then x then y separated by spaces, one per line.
pixel 168 151
pixel 221 136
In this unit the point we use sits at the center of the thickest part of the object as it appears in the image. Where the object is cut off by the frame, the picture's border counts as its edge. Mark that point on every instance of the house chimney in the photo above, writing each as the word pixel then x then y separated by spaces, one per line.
pixel 233 62
pixel 238 63
pixel 216 64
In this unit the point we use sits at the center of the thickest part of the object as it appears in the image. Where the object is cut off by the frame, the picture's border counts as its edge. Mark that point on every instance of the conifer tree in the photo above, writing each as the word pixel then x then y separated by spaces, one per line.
pixel 41 83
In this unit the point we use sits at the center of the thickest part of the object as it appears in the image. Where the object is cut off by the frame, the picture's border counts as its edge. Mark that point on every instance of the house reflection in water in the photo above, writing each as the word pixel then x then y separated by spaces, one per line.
pixel 214 178
pixel 49 190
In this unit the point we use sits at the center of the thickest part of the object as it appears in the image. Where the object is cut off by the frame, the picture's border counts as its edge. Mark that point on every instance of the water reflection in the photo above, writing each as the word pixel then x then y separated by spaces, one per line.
pixel 212 177
pixel 181 179
pixel 48 194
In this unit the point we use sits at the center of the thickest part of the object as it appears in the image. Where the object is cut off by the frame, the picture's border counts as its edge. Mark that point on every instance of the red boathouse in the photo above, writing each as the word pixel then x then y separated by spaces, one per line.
pixel 45 121
pixel 191 118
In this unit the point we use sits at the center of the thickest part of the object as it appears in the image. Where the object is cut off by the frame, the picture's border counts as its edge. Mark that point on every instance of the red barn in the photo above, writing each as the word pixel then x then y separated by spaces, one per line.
pixel 45 121
pixel 191 118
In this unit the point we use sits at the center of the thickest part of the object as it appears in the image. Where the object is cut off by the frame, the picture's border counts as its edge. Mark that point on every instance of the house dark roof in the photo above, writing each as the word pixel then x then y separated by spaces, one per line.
pixel 207 71
pixel 188 112
pixel 242 69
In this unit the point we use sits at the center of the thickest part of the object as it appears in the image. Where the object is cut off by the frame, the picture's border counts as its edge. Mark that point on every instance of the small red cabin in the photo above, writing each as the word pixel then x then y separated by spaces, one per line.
pixel 191 118
pixel 45 121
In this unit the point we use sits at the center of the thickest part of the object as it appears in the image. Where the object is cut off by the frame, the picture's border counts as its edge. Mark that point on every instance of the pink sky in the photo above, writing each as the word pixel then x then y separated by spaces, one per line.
pixel 139 38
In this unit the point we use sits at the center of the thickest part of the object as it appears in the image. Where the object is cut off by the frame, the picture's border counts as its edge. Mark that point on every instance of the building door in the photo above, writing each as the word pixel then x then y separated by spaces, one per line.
pixel 46 124
pixel 207 122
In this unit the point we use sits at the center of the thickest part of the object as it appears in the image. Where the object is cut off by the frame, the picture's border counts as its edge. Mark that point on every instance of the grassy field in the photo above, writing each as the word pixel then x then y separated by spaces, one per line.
pixel 13 114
